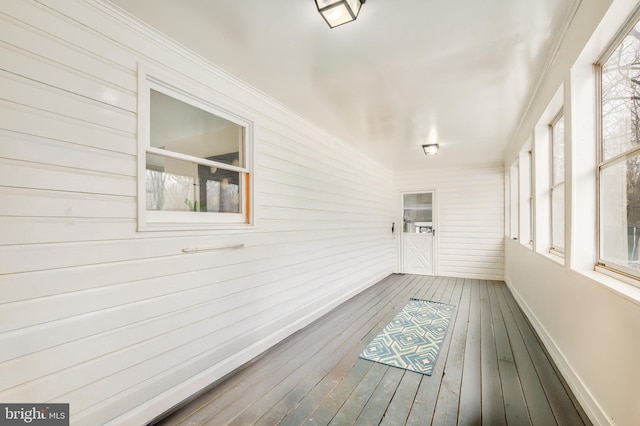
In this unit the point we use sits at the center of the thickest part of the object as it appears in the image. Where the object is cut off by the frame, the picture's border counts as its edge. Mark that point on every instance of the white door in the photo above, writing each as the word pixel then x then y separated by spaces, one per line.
pixel 418 234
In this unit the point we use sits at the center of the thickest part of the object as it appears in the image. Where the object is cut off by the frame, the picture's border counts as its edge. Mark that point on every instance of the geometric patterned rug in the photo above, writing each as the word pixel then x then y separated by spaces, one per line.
pixel 413 338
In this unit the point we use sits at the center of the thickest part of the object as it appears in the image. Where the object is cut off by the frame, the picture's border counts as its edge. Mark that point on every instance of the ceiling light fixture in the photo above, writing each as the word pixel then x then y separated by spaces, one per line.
pixel 430 149
pixel 338 12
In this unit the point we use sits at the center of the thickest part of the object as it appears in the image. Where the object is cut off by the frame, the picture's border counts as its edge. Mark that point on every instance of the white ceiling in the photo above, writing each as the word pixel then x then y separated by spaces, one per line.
pixel 459 72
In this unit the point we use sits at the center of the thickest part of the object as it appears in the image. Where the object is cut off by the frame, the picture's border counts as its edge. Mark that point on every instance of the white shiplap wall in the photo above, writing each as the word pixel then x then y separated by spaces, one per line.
pixel 120 323
pixel 470 218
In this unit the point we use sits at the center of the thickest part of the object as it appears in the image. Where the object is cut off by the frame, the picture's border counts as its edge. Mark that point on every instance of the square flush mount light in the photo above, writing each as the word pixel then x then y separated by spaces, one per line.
pixel 338 12
pixel 430 149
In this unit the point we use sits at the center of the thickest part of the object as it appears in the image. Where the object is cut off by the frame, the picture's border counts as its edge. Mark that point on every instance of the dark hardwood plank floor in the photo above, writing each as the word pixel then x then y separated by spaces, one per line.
pixel 491 369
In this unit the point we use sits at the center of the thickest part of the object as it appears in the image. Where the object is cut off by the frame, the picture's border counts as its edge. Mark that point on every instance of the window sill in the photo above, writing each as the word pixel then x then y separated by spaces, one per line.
pixel 553 256
pixel 556 252
pixel 528 244
pixel 615 285
pixel 168 226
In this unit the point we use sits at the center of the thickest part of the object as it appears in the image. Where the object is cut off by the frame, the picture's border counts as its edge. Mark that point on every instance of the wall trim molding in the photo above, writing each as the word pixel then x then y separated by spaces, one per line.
pixel 589 404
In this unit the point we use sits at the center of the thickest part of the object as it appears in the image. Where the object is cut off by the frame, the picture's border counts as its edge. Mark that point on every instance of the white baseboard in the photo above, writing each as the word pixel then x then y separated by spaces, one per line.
pixel 590 405
pixel 174 396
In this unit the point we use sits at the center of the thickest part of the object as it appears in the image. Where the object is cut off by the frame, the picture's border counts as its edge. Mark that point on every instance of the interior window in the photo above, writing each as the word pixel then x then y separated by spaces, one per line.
pixel 196 167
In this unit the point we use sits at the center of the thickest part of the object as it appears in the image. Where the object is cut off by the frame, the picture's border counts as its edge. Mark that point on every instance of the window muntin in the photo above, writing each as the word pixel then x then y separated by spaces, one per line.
pixel 619 157
pixel 557 183
pixel 194 171
pixel 179 127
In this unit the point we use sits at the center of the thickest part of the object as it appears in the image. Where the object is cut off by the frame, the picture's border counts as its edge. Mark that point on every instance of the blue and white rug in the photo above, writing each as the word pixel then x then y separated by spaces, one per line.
pixel 413 338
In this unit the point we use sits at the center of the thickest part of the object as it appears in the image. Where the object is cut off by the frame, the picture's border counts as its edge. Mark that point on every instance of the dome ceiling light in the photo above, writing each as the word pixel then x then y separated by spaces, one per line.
pixel 430 149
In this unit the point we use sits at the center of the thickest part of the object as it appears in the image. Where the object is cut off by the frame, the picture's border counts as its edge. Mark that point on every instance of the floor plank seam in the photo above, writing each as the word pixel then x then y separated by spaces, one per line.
pixel 408 282
pixel 275 385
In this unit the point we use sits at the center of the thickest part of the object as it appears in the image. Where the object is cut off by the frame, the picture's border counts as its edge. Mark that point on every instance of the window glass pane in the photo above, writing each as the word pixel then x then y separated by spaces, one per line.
pixel 530 208
pixel 525 197
pixel 176 185
pixel 514 197
pixel 221 189
pixel 557 217
pixel 170 184
pixel 620 212
pixel 180 127
pixel 418 212
pixel 620 97
pixel 558 151
pixel 531 192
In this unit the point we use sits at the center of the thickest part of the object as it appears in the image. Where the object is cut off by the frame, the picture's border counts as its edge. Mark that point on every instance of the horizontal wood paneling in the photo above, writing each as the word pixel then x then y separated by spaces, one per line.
pixel 28 38
pixel 56 74
pixel 180 327
pixel 22 174
pixel 20 146
pixel 470 218
pixel 53 125
pixel 44 97
pixel 116 321
pixel 37 16
pixel 330 253
pixel 43 203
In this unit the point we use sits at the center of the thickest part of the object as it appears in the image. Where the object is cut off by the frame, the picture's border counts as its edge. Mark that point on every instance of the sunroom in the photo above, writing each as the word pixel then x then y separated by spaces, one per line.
pixel 211 210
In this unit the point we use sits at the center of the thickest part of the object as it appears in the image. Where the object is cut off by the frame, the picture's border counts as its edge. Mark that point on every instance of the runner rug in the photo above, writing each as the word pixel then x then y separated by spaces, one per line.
pixel 413 338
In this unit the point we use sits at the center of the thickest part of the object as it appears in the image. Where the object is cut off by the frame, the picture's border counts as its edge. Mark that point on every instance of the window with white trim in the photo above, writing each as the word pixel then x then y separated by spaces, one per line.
pixel 619 156
pixel 526 196
pixel 514 198
pixel 194 166
pixel 556 129
pixel 530 197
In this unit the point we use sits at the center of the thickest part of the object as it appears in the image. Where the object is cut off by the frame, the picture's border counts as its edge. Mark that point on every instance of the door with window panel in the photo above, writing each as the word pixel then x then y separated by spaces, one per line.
pixel 418 236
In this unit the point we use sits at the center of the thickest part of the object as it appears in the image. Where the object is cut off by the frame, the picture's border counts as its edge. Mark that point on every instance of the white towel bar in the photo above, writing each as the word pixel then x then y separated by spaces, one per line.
pixel 199 249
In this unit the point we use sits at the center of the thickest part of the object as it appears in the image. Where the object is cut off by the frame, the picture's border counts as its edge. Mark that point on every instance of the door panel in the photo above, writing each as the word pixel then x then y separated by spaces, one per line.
pixel 418 254
pixel 418 233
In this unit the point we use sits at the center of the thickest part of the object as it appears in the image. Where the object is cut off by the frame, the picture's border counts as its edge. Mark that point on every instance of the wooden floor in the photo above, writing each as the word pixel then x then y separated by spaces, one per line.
pixel 491 369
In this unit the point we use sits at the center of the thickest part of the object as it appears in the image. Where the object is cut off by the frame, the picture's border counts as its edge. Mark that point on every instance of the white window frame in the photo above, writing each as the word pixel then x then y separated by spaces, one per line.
pixel 525 171
pixel 514 200
pixel 553 186
pixel 152 78
pixel 531 200
pixel 621 272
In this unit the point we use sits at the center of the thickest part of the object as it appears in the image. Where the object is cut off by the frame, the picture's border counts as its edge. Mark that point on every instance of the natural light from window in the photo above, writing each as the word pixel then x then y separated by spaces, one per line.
pixel 557 183
pixel 619 165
